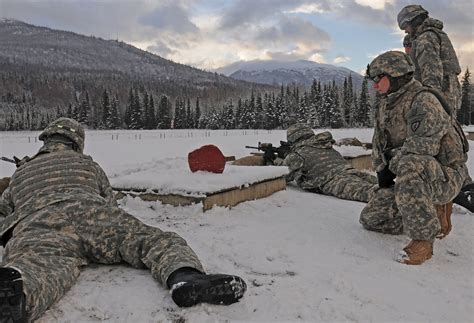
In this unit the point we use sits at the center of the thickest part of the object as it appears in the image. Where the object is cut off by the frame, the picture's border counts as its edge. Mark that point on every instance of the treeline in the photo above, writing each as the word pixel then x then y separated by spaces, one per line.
pixel 320 106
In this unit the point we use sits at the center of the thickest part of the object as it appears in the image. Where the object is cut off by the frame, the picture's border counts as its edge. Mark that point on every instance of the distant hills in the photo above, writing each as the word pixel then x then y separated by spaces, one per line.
pixel 284 72
pixel 34 60
pixel 45 73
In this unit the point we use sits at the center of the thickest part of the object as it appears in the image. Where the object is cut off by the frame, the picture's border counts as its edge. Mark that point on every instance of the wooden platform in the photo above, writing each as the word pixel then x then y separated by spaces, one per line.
pixel 171 182
pixel 226 198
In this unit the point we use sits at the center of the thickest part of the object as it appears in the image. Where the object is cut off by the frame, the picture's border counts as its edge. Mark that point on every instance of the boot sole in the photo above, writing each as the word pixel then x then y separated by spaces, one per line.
pixel 223 290
pixel 12 301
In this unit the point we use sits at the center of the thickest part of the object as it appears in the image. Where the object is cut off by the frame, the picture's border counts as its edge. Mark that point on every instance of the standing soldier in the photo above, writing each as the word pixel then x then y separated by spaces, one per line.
pixel 417 142
pixel 316 166
pixel 59 214
pixel 436 63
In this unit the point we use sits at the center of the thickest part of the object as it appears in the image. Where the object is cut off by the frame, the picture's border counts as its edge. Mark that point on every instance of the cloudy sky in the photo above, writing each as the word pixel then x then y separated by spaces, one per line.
pixel 213 33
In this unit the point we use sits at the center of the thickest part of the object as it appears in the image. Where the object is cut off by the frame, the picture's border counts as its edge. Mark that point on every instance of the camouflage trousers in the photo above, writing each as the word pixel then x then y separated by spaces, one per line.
pixel 51 245
pixel 409 206
pixel 352 184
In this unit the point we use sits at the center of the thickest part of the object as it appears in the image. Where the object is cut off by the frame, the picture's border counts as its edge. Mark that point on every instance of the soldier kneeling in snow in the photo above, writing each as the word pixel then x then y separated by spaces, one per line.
pixel 316 166
pixel 59 214
pixel 418 141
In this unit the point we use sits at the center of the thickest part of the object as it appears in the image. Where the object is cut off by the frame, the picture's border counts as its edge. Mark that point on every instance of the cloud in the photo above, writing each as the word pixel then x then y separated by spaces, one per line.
pixel 295 35
pixel 160 48
pixel 309 8
pixel 374 4
pixel 172 17
pixel 341 59
pixel 244 12
pixel 210 33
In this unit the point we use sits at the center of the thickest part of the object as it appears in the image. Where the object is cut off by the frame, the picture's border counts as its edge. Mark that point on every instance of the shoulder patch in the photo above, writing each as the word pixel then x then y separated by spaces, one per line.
pixel 415 125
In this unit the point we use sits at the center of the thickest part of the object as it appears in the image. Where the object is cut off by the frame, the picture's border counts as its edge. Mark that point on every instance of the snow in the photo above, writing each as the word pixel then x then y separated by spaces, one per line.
pixel 304 256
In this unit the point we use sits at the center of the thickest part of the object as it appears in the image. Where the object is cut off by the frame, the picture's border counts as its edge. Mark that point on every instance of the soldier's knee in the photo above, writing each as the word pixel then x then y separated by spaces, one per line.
pixel 365 217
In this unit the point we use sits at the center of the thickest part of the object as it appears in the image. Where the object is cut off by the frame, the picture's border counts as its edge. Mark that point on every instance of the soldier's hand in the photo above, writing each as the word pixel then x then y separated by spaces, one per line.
pixel 278 162
pixel 265 145
pixel 386 178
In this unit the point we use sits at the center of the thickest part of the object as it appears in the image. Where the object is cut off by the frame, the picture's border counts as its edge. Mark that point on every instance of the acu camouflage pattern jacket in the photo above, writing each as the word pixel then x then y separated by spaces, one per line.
pixel 57 174
pixel 313 162
pixel 436 63
pixel 413 121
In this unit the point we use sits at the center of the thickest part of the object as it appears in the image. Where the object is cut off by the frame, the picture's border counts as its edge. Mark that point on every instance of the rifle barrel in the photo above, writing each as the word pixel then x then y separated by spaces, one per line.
pixel 8 160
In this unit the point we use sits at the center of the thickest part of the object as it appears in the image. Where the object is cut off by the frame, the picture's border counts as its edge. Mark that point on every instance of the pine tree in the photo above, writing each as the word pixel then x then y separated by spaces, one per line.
pixel 164 113
pixel 106 121
pixel 361 116
pixel 146 112
pixel 315 105
pixel 259 113
pixel 150 117
pixel 197 115
pixel 136 119
pixel 69 111
pixel 228 117
pixel 115 121
pixel 465 112
pixel 302 112
pixel 189 117
pixel 83 111
pixel 127 118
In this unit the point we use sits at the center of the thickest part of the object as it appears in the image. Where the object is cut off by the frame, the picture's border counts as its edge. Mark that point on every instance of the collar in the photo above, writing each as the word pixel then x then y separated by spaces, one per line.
pixel 413 85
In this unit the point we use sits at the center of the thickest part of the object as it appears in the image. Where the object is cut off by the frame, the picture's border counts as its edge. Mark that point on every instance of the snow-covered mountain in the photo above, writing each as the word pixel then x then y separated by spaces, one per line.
pixel 286 72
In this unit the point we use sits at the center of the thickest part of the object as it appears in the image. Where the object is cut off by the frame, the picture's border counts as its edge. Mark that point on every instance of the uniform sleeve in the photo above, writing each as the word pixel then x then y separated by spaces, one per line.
pixel 295 163
pixel 6 203
pixel 105 188
pixel 428 56
pixel 378 159
pixel 427 124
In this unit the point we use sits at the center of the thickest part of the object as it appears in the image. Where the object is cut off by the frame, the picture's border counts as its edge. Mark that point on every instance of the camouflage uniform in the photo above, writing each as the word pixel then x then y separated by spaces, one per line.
pixel 419 141
pixel 63 215
pixel 317 167
pixel 436 63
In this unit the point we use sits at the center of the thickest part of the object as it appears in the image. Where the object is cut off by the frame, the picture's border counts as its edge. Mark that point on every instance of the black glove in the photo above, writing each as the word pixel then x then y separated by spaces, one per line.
pixel 386 178
pixel 465 198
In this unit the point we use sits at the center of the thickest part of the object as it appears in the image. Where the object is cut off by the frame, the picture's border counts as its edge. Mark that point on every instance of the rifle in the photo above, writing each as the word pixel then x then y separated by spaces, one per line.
pixel 17 161
pixel 271 153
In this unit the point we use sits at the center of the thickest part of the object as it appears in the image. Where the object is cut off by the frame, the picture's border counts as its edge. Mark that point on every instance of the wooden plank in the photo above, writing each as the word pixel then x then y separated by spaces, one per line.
pixel 227 197
pixel 362 162
pixel 235 196
pixel 172 199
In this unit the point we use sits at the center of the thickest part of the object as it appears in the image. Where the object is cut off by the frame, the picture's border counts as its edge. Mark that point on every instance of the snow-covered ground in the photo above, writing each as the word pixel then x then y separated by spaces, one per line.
pixel 304 256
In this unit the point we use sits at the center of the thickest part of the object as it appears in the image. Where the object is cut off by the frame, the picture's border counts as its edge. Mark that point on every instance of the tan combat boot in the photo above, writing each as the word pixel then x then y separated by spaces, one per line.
pixel 444 216
pixel 417 252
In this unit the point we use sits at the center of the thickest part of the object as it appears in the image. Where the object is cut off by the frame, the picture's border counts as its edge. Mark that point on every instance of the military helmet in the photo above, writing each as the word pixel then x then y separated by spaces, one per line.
pixel 393 63
pixel 408 13
pixel 298 131
pixel 68 128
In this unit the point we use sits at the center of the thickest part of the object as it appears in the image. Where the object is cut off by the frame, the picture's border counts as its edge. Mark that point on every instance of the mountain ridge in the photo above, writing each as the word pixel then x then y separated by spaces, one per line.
pixel 275 72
